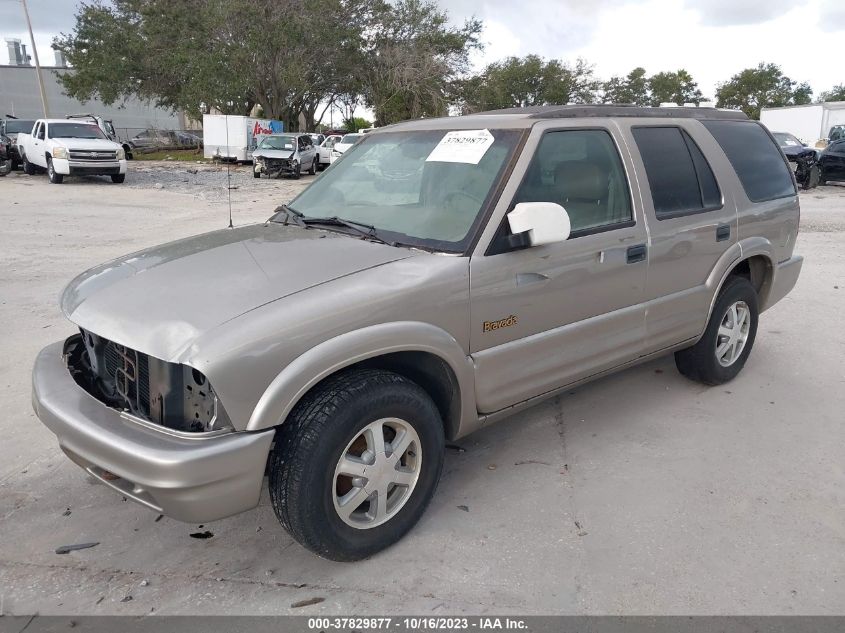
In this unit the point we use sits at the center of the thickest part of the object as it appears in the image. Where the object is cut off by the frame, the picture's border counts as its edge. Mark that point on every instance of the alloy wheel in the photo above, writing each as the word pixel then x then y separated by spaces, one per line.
pixel 733 333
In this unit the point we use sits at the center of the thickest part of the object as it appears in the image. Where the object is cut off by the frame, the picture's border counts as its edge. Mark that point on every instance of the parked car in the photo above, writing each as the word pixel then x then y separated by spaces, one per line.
pixel 70 148
pixel 346 141
pixel 386 311
pixel 5 154
pixel 324 150
pixel 316 138
pixel 285 155
pixel 154 140
pixel 832 162
pixel 11 127
pixel 803 159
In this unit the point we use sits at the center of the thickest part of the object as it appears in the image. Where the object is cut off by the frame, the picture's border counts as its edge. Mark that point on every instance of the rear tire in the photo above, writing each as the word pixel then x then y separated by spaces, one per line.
pixel 118 178
pixel 723 349
pixel 336 427
pixel 55 178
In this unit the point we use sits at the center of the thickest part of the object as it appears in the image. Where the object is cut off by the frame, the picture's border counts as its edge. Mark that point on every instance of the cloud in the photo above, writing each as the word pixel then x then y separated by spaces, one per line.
pixel 733 12
pixel 832 15
pixel 50 16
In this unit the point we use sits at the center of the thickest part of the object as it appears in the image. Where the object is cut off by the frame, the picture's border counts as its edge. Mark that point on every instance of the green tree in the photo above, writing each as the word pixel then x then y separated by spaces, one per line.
pixel 674 87
pixel 632 88
pixel 764 86
pixel 412 58
pixel 528 81
pixel 837 93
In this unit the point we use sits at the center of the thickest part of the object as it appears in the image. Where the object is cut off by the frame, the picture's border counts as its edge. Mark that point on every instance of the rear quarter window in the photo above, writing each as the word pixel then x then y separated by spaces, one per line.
pixel 755 157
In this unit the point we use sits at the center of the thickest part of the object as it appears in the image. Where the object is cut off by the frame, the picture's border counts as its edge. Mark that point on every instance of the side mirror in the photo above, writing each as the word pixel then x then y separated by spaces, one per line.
pixel 538 223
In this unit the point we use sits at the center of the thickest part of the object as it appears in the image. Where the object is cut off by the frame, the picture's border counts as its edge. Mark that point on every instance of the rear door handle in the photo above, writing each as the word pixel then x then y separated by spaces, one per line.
pixel 723 232
pixel 636 253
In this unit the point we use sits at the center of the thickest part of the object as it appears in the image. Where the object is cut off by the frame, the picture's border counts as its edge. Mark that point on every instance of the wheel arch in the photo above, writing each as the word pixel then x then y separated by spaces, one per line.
pixel 423 353
pixel 753 261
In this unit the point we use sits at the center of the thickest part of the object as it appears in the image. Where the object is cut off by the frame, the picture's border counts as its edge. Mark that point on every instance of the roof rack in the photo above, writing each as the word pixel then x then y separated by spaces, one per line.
pixel 617 110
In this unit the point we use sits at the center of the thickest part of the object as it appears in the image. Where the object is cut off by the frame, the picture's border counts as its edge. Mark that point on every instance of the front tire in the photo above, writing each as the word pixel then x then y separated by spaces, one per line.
pixel 297 172
pixel 118 178
pixel 55 178
pixel 356 463
pixel 726 344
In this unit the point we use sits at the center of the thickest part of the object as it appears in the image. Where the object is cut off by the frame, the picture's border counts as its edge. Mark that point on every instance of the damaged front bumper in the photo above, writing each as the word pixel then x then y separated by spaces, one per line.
pixel 275 167
pixel 188 477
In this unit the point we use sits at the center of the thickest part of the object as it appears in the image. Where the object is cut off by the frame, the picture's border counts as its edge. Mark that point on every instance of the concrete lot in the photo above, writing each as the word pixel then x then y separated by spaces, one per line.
pixel 642 493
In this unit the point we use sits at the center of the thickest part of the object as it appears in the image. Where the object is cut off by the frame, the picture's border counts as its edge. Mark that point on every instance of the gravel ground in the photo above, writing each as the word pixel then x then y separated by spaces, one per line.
pixel 641 493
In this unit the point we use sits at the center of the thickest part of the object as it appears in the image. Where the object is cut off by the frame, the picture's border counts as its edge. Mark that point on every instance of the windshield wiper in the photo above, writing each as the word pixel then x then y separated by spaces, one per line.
pixel 367 231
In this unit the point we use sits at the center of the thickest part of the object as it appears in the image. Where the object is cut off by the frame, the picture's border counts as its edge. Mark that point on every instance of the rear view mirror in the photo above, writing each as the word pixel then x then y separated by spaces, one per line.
pixel 538 223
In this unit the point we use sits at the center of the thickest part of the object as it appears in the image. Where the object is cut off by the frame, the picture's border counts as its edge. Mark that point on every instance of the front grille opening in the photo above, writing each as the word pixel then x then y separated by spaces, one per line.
pixel 172 395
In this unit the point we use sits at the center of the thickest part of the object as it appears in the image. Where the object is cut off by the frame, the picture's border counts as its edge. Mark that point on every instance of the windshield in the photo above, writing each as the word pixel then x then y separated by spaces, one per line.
pixel 278 142
pixel 348 139
pixel 14 126
pixel 401 184
pixel 74 130
pixel 787 140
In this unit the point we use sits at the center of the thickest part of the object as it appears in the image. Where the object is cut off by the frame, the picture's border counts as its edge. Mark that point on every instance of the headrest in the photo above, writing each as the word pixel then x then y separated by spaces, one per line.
pixel 580 180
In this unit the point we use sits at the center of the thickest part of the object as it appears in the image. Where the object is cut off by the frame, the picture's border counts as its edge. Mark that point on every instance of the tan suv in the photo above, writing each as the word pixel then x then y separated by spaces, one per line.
pixel 442 275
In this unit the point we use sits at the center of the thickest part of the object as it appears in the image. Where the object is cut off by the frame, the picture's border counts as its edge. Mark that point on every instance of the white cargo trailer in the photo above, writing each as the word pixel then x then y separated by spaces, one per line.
pixel 233 137
pixel 810 123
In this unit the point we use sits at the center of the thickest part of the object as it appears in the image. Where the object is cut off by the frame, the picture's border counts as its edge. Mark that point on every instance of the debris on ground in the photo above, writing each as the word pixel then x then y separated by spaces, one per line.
pixel 159 518
pixel 491 467
pixel 464 508
pixel 307 603
pixel 531 461
pixel 126 598
pixel 66 513
pixel 206 534
pixel 145 582
pixel 65 549
pixel 456 448
pixel 581 531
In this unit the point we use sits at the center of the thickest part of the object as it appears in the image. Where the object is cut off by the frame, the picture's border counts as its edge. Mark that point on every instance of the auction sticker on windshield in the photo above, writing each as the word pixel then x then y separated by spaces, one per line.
pixel 462 146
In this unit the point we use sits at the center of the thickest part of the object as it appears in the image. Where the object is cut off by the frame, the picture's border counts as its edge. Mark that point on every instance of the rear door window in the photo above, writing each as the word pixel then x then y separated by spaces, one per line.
pixel 680 179
pixel 755 157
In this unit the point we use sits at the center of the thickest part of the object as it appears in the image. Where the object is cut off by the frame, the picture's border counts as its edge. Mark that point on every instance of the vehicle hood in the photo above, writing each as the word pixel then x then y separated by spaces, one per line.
pixel 87 143
pixel 160 300
pixel 273 153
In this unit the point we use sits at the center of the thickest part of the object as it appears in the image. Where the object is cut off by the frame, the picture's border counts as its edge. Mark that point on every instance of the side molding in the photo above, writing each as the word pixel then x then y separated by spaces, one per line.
pixel 347 349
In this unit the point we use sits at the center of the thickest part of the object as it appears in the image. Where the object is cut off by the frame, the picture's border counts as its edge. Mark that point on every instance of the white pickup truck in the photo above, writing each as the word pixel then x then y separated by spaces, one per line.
pixel 65 147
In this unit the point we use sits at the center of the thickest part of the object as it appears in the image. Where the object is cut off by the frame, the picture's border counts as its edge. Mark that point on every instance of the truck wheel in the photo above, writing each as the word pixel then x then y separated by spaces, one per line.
pixel 356 463
pixel 723 349
pixel 55 178
pixel 118 178
pixel 28 168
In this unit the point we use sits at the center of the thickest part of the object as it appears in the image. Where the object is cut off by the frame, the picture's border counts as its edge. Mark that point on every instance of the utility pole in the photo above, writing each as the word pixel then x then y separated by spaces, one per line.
pixel 37 64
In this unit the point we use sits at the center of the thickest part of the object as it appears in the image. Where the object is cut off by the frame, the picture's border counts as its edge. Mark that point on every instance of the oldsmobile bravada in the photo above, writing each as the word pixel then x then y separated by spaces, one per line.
pixel 443 274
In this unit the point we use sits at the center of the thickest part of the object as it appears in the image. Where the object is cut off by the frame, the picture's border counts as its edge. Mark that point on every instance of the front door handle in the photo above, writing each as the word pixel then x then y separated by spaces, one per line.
pixel 723 232
pixel 636 253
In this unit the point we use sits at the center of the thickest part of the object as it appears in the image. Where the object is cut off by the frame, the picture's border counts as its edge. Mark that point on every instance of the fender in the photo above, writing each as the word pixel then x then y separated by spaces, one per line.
pixel 742 250
pixel 352 347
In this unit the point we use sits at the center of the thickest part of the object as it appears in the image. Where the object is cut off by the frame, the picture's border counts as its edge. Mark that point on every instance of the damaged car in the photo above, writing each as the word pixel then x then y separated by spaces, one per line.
pixel 5 154
pixel 285 155
pixel 802 159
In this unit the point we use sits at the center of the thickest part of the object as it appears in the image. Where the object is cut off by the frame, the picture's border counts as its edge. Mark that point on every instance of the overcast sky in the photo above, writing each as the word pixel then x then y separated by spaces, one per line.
pixel 712 39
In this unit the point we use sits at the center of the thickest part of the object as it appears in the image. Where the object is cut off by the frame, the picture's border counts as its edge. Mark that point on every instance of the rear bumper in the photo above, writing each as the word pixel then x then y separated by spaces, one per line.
pixel 193 479
pixel 785 275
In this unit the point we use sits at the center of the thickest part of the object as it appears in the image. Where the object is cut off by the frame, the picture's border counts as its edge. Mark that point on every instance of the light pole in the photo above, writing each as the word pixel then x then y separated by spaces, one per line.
pixel 37 64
